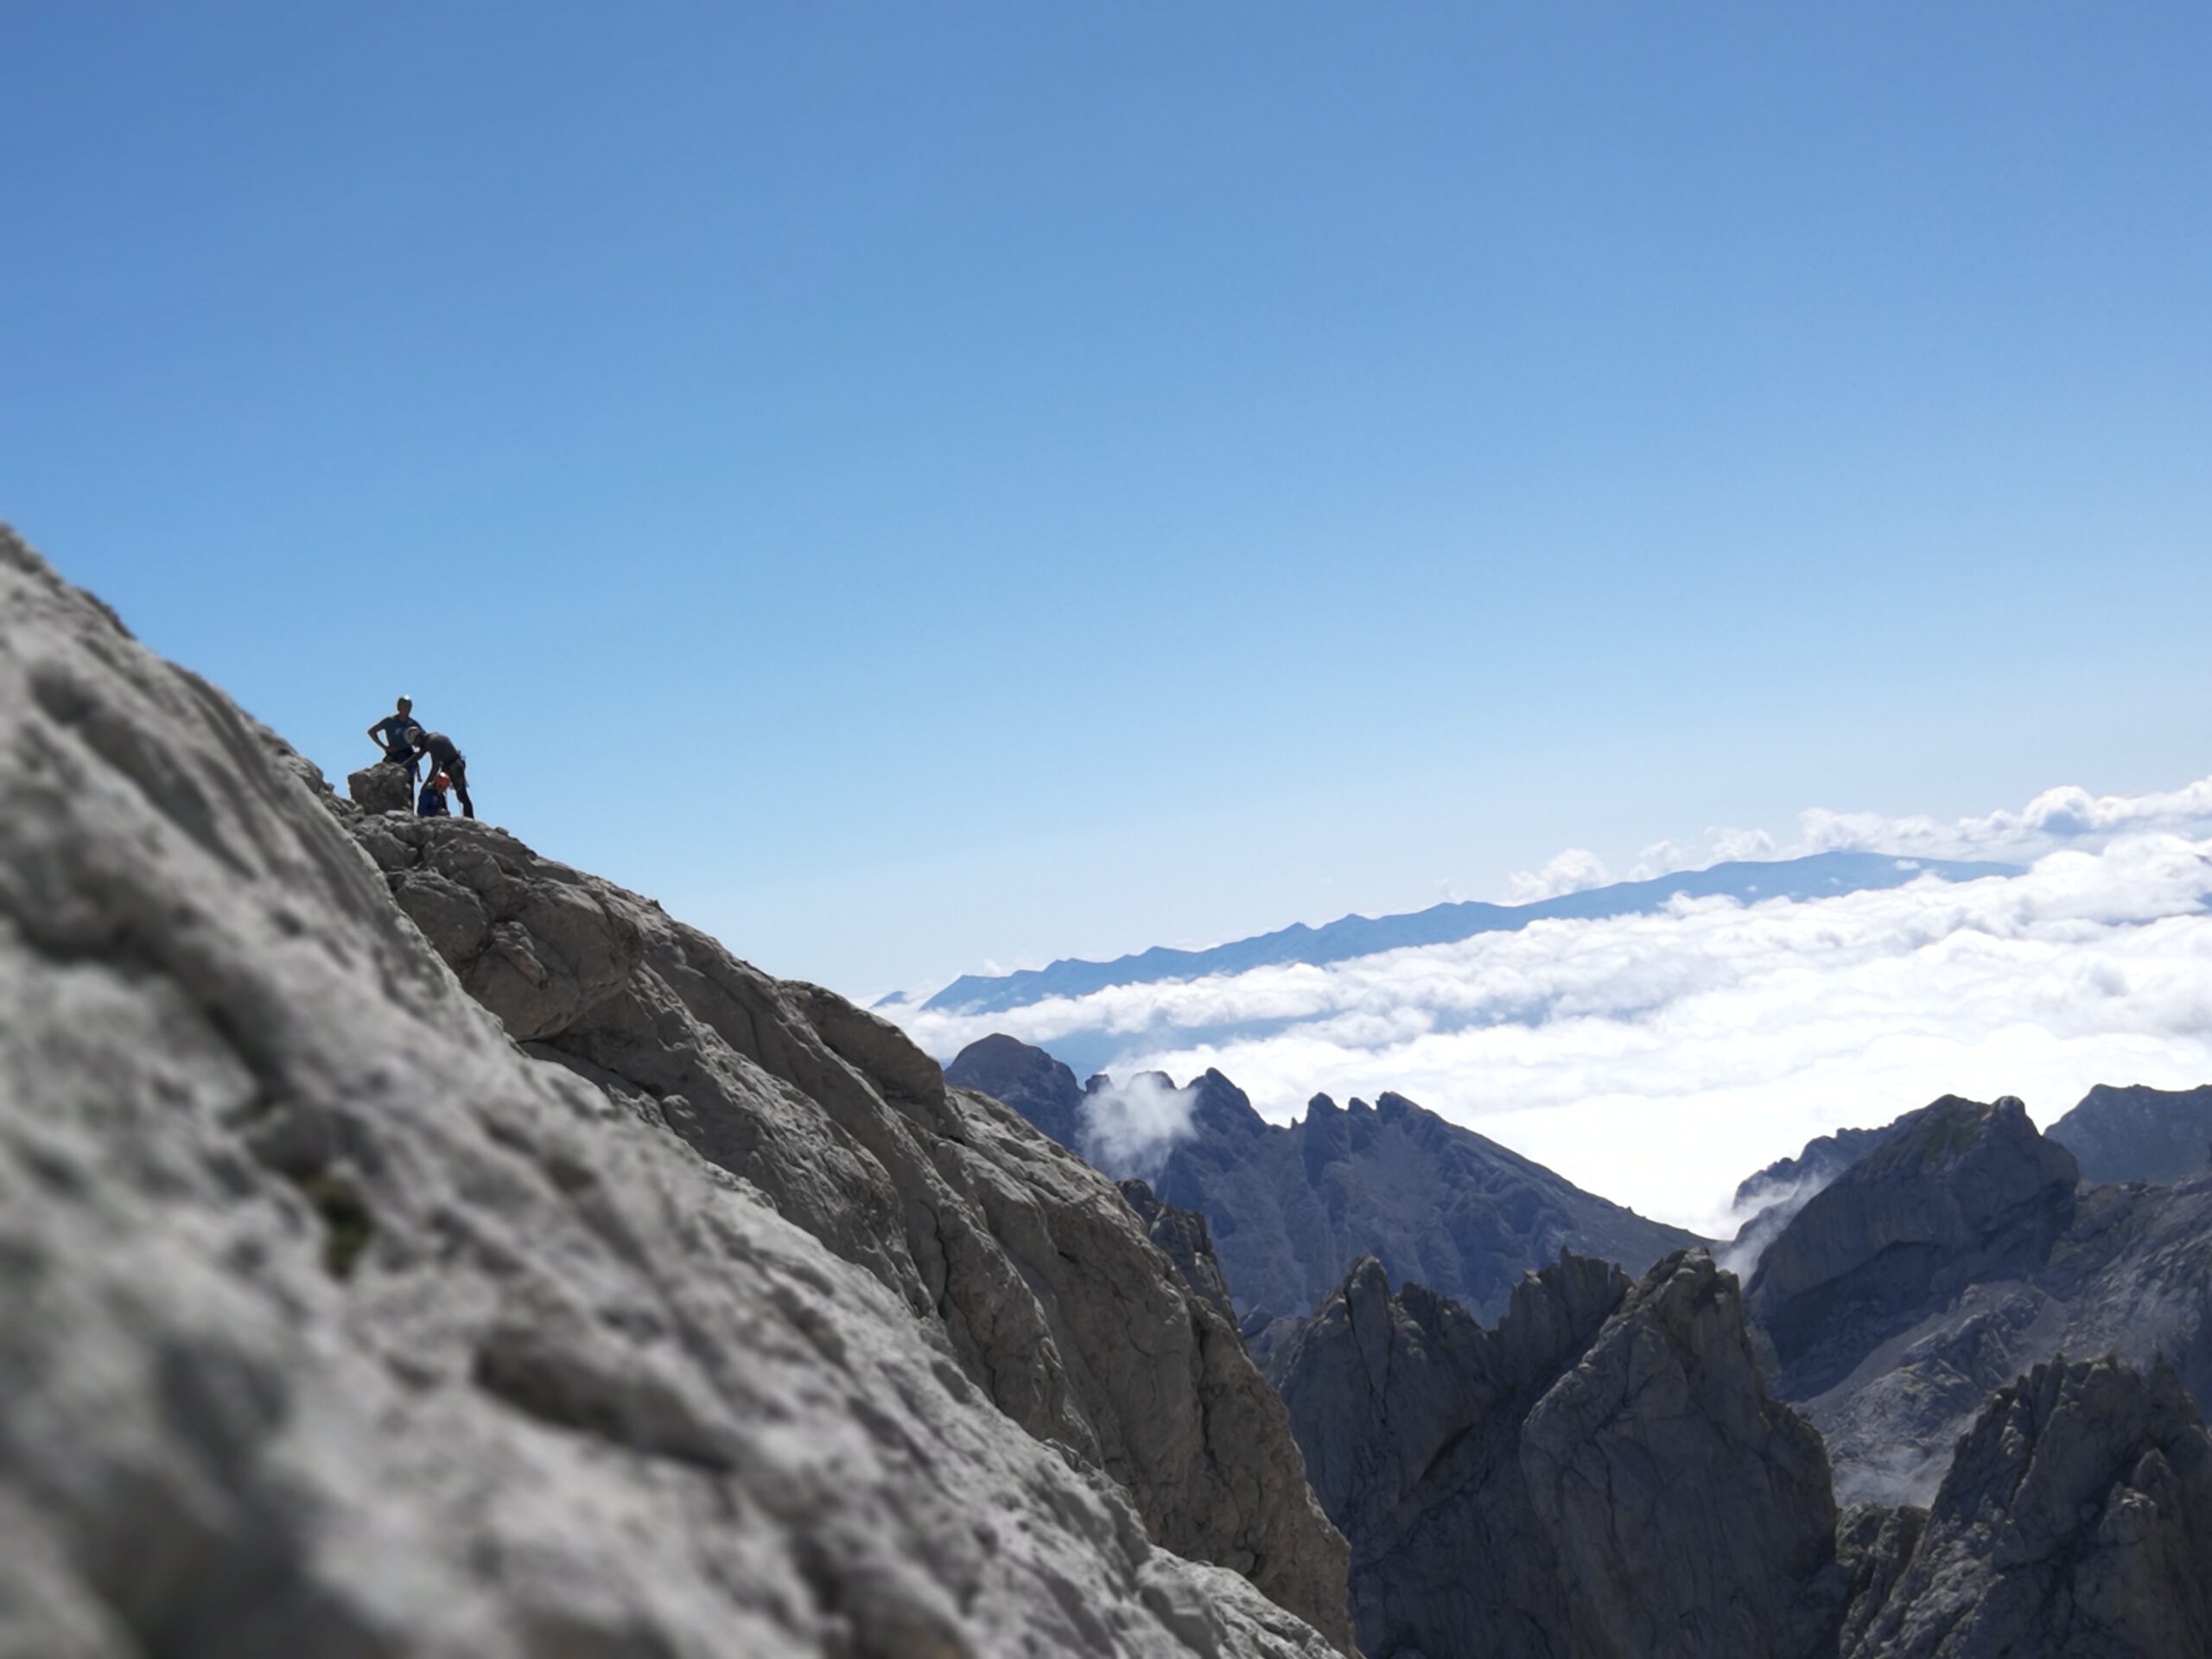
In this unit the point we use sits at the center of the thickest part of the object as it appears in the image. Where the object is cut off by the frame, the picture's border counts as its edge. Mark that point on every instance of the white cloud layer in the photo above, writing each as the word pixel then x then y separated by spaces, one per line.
pixel 2055 817
pixel 2066 817
pixel 1658 1059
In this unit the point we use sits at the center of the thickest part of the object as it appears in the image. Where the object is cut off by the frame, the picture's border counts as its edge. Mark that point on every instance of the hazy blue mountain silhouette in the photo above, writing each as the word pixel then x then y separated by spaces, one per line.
pixel 1820 875
pixel 1291 1206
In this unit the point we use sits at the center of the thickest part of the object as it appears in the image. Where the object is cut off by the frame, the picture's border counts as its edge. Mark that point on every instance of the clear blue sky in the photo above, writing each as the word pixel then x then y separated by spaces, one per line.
pixel 908 485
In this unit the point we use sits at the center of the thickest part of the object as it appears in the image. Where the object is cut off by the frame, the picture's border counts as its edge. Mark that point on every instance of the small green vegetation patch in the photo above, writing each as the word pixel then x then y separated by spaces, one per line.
pixel 346 1221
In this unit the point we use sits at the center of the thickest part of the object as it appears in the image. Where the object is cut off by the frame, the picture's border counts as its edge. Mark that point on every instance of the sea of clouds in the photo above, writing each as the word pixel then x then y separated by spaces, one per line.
pixel 1658 1059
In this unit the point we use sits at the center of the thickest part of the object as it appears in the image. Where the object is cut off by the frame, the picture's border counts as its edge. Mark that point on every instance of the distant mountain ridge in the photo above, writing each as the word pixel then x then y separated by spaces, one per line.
pixel 1820 875
pixel 1290 1207
pixel 2140 1133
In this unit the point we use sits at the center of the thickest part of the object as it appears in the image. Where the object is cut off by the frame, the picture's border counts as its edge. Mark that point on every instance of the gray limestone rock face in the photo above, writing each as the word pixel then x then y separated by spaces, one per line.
pixel 382 787
pixel 2139 1133
pixel 1955 1257
pixel 1691 1514
pixel 340 1324
pixel 1956 1192
pixel 1049 1291
pixel 1770 1199
pixel 2131 1276
pixel 2076 1523
pixel 1182 1234
pixel 1602 1476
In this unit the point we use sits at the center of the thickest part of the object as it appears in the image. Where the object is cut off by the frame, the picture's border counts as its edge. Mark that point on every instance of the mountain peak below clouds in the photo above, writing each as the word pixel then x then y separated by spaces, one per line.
pixel 1820 875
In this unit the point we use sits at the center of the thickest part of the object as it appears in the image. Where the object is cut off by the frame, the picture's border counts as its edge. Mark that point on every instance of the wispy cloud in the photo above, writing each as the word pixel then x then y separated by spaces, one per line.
pixel 2055 817
pixel 2066 817
pixel 1659 1059
pixel 1129 1128
pixel 1576 870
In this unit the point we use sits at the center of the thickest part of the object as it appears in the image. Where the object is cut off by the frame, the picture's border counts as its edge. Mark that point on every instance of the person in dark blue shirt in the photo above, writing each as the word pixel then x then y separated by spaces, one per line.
pixel 394 735
pixel 445 757
pixel 431 804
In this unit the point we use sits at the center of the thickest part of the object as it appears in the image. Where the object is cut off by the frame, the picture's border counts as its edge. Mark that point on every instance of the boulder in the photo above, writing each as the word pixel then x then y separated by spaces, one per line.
pixel 382 787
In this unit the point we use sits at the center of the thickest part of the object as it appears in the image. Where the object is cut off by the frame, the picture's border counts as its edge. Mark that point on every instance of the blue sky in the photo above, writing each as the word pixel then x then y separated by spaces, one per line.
pixel 911 487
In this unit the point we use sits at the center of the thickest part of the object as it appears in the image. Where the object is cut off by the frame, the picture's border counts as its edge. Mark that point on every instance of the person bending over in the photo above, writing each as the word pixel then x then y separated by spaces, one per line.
pixel 445 757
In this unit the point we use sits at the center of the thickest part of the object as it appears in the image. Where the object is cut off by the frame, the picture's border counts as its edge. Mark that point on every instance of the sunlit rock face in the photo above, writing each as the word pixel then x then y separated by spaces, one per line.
pixel 413 1247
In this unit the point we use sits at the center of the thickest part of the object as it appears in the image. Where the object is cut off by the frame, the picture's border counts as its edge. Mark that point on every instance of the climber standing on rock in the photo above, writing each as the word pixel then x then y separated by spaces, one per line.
pixel 395 735
pixel 444 758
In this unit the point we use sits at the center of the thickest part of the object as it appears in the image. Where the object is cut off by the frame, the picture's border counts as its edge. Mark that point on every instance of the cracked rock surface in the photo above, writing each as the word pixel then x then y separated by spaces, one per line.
pixel 1948 1260
pixel 1182 1234
pixel 2076 1523
pixel 1038 1272
pixel 703 1322
pixel 1602 1475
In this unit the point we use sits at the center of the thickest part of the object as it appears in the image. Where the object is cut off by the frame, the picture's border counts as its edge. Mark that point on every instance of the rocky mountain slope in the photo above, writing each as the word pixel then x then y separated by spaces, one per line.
pixel 1825 1157
pixel 417 1247
pixel 1182 1234
pixel 2075 1519
pixel 2139 1133
pixel 2134 1134
pixel 1603 1475
pixel 1290 1207
pixel 1959 1193
pixel 1960 1253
